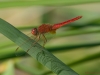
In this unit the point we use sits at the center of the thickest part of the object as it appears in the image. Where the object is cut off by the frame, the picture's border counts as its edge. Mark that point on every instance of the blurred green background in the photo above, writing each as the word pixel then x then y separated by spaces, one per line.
pixel 76 44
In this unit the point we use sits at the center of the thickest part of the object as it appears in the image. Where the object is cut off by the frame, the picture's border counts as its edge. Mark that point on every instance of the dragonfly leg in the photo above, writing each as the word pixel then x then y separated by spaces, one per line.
pixel 34 38
pixel 24 43
pixel 35 42
pixel 45 40
pixel 21 45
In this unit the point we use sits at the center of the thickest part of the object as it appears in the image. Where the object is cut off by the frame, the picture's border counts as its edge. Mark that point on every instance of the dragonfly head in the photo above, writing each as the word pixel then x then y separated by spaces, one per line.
pixel 35 31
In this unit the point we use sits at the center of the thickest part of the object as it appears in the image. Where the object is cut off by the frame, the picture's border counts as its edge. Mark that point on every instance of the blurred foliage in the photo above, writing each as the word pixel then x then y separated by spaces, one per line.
pixel 76 44
pixel 14 3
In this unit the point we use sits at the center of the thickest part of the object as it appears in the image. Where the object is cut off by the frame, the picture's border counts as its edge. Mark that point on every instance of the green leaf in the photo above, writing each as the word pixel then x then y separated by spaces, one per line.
pixel 43 2
pixel 38 52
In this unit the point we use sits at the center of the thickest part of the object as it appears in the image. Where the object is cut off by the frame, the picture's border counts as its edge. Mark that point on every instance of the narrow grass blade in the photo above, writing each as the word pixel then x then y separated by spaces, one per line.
pixel 10 68
pixel 17 3
pixel 38 52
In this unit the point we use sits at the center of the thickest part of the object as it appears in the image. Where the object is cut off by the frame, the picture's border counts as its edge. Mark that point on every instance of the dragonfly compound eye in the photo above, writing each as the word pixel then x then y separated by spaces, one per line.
pixel 34 31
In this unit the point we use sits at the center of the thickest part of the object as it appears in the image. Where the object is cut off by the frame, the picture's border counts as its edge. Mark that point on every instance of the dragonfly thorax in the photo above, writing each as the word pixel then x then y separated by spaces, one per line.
pixel 35 31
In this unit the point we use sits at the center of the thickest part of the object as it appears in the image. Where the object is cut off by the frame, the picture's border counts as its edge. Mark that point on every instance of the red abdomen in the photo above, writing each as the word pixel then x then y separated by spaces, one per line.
pixel 56 26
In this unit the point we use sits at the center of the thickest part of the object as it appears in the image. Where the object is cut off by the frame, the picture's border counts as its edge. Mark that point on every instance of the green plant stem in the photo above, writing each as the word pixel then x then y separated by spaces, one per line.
pixel 38 52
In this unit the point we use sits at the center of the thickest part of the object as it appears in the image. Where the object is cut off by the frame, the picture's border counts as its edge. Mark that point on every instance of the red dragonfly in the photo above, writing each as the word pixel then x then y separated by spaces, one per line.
pixel 45 28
